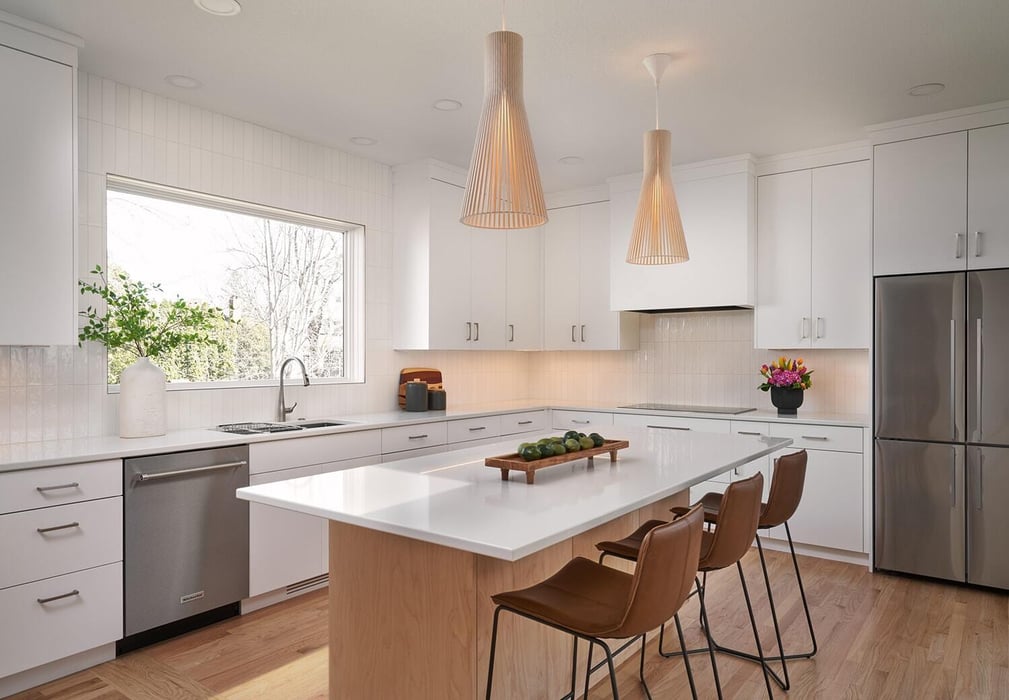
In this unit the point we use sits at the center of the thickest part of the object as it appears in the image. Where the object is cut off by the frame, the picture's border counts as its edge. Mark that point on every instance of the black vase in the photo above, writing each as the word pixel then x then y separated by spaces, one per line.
pixel 787 401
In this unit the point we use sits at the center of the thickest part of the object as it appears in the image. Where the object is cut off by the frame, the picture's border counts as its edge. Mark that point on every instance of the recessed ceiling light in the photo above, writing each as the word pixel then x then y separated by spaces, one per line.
pixel 221 8
pixel 926 89
pixel 447 105
pixel 183 81
pixel 363 140
pixel 571 160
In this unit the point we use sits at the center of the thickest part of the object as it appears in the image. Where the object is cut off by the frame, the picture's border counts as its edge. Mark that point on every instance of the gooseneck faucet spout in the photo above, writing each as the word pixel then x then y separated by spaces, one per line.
pixel 284 409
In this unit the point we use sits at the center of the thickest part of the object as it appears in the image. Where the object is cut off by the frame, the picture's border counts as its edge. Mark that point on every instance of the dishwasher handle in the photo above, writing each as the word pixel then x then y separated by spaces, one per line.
pixel 154 476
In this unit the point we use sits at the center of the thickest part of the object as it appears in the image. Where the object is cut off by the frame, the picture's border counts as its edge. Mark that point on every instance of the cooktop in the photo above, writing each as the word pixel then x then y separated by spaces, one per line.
pixel 730 410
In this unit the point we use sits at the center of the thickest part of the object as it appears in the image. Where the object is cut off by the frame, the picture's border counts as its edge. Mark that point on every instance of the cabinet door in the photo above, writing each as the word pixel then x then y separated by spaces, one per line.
pixel 842 256
pixel 782 316
pixel 830 512
pixel 599 328
pixel 489 285
pixel 450 279
pixel 920 205
pixel 987 203
pixel 561 279
pixel 37 201
pixel 524 296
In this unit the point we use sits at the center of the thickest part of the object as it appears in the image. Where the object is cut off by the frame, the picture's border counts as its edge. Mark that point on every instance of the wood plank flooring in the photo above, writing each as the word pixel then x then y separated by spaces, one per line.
pixel 880 636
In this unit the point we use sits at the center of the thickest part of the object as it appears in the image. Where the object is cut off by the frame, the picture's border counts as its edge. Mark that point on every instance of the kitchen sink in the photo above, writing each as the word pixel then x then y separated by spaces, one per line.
pixel 261 428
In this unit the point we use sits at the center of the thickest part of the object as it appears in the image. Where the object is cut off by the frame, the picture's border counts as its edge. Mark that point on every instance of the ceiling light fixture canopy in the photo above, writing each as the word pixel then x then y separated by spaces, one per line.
pixel 657 236
pixel 503 189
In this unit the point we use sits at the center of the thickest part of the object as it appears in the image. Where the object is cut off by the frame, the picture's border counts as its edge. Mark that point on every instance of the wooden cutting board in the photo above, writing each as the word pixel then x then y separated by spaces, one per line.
pixel 424 374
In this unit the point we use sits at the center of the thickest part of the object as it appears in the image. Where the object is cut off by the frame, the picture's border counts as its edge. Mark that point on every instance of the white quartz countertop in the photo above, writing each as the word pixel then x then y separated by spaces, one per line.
pixel 452 499
pixel 31 455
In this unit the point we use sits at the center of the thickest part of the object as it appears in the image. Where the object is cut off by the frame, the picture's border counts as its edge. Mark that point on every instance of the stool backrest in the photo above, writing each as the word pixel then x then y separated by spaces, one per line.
pixel 738 515
pixel 664 575
pixel 786 489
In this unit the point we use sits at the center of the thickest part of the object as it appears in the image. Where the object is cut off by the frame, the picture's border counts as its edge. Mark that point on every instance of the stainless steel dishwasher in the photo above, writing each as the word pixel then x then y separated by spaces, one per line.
pixel 186 554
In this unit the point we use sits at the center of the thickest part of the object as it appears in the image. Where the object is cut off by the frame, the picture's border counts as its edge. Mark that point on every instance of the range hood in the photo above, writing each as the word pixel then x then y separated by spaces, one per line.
pixel 717 206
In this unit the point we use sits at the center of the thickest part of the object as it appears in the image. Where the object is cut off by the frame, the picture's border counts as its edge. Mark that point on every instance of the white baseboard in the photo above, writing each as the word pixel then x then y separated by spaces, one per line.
pixel 279 595
pixel 56 669
pixel 860 558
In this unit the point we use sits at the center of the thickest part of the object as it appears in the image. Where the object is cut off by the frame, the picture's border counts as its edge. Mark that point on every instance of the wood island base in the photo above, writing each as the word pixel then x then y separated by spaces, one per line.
pixel 413 619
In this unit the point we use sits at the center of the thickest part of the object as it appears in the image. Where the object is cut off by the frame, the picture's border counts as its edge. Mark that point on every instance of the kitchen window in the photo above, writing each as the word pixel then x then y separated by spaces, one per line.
pixel 288 284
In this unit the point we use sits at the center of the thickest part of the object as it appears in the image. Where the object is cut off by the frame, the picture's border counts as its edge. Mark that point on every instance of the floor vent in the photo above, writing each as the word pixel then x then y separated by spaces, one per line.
pixel 308 583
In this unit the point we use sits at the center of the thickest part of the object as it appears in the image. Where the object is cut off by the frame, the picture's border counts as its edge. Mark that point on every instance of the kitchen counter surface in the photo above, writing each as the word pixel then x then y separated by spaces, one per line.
pixel 31 455
pixel 452 499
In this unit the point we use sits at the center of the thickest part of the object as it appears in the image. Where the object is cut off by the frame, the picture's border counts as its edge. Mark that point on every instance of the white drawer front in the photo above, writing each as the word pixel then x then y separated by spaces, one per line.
pixel 48 631
pixel 582 421
pixel 419 452
pixel 316 449
pixel 819 437
pixel 473 429
pixel 701 425
pixel 525 422
pixel 410 437
pixel 74 536
pixel 749 427
pixel 52 486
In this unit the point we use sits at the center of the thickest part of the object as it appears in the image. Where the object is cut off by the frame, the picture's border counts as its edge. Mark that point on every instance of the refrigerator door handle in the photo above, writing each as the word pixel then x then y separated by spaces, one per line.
pixel 979 384
pixel 979 481
pixel 952 378
pixel 952 481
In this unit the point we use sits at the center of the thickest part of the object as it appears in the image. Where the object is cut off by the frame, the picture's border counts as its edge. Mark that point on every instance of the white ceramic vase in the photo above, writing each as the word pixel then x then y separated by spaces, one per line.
pixel 142 400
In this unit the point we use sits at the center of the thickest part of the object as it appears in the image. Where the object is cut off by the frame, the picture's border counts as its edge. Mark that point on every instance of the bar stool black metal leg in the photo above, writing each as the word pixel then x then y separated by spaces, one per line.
pixel 785 684
pixel 588 672
pixel 641 668
pixel 805 605
pixel 753 624
pixel 613 671
pixel 493 648
pixel 574 668
pixel 707 634
pixel 686 656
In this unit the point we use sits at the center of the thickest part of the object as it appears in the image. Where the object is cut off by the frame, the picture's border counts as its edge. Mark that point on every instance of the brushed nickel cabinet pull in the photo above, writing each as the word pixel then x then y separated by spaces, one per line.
pixel 511 332
pixel 815 437
pixel 417 437
pixel 667 427
pixel 43 601
pixel 957 253
pixel 476 326
pixel 573 339
pixel 469 330
pixel 747 432
pixel 581 422
pixel 583 332
pixel 525 422
pixel 482 427
pixel 44 530
pixel 71 485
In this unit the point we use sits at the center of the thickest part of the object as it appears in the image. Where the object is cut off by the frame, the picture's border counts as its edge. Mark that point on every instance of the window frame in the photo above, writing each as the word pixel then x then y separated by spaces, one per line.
pixel 354 282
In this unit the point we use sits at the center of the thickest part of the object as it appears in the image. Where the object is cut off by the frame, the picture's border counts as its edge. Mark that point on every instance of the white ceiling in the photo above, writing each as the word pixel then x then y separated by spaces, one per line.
pixel 757 76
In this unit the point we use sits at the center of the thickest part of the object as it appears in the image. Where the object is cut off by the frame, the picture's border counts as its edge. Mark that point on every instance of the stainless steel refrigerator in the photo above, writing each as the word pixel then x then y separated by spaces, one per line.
pixel 942 426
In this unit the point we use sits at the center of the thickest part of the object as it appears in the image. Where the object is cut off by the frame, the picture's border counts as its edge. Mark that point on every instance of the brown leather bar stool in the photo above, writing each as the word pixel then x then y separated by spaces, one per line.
pixel 720 549
pixel 783 499
pixel 590 601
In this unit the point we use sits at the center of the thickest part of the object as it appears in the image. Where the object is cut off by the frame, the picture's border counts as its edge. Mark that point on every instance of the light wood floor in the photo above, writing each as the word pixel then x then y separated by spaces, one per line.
pixel 880 637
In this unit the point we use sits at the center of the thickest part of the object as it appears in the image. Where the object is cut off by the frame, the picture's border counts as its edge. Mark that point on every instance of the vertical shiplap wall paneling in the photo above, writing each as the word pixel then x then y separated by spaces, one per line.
pixel 60 392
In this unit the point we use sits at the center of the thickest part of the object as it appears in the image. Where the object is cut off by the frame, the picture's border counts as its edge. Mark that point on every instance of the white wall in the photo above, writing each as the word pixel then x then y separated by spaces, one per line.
pixel 60 392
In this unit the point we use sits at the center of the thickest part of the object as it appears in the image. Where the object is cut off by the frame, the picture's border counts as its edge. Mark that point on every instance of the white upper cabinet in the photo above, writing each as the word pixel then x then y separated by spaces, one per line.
pixel 38 189
pixel 813 258
pixel 524 305
pixel 988 197
pixel 449 280
pixel 940 202
pixel 576 284
pixel 716 201
pixel 920 205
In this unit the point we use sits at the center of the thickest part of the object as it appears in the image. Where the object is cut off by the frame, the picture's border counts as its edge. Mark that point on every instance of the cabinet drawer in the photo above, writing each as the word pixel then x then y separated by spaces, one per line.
pixel 473 429
pixel 819 437
pixel 581 421
pixel 527 421
pixel 48 542
pixel 90 616
pixel 50 486
pixel 303 451
pixel 701 425
pixel 419 452
pixel 409 437
pixel 749 427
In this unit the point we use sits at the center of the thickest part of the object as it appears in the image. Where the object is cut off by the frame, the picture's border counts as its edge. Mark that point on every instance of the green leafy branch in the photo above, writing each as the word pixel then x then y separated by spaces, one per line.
pixel 138 324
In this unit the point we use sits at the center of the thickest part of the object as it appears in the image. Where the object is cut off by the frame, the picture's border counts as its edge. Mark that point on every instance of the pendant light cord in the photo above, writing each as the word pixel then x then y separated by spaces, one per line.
pixel 502 15
pixel 656 104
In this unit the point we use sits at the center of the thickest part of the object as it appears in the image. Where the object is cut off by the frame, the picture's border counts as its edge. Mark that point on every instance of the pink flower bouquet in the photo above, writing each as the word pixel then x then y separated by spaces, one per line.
pixel 786 373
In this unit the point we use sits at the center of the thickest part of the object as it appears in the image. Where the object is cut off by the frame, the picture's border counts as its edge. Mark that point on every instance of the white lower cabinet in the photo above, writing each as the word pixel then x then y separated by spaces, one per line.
pixel 525 422
pixel 60 616
pixel 582 421
pixel 830 512
pixel 61 573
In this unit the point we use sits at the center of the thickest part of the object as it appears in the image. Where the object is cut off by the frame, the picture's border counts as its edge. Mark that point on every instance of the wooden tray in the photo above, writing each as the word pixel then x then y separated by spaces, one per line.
pixel 513 461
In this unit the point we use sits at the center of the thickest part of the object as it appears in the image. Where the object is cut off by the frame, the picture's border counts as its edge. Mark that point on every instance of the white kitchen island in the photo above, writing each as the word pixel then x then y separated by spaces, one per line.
pixel 417 547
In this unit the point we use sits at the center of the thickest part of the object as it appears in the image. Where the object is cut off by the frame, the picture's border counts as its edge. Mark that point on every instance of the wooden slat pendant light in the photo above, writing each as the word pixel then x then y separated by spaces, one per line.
pixel 503 189
pixel 657 237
